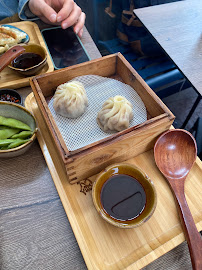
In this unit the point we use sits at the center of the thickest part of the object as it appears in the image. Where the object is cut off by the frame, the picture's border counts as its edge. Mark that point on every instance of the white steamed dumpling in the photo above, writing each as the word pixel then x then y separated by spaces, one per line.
pixel 70 99
pixel 115 115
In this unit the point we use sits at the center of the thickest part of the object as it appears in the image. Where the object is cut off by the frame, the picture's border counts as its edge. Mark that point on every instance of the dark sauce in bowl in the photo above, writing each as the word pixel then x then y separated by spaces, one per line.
pixel 123 197
pixel 27 60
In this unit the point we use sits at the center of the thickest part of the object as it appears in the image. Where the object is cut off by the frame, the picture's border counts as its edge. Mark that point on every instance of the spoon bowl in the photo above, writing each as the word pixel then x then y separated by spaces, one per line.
pixel 175 152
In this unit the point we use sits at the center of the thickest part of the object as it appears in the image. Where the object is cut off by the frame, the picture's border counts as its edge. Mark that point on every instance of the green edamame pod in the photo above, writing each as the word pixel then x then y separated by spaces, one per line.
pixel 23 134
pixel 6 142
pixel 7 132
pixel 14 123
pixel 16 143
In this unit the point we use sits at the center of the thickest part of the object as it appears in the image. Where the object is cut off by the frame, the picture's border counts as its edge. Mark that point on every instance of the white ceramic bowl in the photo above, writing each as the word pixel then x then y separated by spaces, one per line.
pixel 12 110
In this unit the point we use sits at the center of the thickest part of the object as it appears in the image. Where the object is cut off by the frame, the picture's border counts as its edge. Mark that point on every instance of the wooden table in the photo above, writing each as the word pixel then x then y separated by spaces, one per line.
pixel 177 27
pixel 34 230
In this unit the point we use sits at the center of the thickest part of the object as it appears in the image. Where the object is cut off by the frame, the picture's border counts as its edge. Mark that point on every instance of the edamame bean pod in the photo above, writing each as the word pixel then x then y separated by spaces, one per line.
pixel 14 123
pixel 6 142
pixel 16 143
pixel 23 134
pixel 7 132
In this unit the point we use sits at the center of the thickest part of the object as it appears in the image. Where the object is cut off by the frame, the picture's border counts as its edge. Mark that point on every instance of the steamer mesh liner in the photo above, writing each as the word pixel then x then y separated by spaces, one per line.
pixel 84 130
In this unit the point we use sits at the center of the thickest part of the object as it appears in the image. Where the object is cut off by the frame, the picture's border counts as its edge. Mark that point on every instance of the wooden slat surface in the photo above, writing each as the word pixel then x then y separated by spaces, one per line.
pixel 34 230
pixel 104 246
pixel 177 28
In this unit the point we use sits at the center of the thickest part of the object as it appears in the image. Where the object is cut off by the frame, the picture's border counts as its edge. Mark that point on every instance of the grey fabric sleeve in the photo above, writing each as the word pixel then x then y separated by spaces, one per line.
pixel 24 11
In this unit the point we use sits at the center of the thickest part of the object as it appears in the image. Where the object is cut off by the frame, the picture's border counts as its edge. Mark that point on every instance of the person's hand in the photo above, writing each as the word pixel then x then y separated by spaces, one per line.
pixel 60 12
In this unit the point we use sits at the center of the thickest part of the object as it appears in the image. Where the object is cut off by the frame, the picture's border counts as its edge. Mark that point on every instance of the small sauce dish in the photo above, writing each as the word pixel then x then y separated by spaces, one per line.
pixel 124 195
pixel 31 61
pixel 10 95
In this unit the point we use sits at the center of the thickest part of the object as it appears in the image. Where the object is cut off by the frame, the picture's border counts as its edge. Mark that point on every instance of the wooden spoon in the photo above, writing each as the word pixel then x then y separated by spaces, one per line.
pixel 175 153
pixel 11 54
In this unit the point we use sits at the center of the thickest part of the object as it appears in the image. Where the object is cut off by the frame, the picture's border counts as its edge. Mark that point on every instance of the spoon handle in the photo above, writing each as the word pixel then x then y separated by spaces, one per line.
pixel 11 54
pixel 192 235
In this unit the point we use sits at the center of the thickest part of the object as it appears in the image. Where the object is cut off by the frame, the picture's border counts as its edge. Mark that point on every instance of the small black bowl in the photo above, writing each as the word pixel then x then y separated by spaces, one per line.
pixel 11 96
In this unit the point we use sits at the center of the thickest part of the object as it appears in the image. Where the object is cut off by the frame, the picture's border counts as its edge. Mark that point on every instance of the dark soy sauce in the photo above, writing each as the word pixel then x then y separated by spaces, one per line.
pixel 123 197
pixel 27 60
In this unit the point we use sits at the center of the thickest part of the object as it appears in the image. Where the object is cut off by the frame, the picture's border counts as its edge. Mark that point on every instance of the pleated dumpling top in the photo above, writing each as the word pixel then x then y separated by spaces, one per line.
pixel 70 99
pixel 115 115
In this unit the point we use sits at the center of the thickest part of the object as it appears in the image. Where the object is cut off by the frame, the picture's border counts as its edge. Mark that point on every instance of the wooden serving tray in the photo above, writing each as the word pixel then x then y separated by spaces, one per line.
pixel 10 78
pixel 104 246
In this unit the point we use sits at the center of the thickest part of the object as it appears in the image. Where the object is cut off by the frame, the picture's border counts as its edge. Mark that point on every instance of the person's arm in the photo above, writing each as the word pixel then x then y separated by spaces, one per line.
pixel 65 13
pixel 24 12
